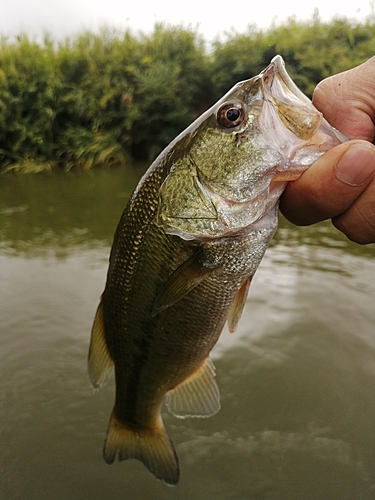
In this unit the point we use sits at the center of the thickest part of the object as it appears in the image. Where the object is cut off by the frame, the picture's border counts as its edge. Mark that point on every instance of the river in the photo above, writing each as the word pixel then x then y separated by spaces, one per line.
pixel 297 379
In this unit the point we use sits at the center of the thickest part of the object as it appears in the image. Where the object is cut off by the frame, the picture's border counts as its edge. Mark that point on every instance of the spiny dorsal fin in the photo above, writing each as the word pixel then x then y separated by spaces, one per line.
pixel 151 446
pixel 100 363
pixel 197 396
pixel 237 306
pixel 185 278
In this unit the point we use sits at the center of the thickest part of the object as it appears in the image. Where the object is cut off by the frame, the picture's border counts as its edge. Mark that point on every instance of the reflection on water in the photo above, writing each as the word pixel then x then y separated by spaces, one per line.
pixel 297 380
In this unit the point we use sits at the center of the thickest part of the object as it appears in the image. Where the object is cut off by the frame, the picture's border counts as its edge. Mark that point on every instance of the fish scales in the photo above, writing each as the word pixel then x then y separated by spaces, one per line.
pixel 184 253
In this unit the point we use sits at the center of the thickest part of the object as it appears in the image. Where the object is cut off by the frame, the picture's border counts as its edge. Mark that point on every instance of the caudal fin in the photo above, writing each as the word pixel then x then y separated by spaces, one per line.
pixel 151 446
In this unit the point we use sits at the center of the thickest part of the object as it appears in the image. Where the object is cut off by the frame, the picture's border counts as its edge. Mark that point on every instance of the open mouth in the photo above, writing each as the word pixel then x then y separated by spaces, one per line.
pixel 295 109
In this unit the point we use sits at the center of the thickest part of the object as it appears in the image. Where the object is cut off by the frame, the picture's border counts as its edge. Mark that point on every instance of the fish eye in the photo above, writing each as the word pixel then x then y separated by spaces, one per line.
pixel 231 114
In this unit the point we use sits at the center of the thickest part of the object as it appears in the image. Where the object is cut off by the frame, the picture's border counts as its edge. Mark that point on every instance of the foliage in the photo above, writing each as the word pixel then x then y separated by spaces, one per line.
pixel 102 99
pixel 171 78
pixel 312 51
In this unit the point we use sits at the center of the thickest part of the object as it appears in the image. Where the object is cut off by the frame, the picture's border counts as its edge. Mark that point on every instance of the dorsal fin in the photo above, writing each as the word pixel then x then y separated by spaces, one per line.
pixel 185 278
pixel 197 396
pixel 237 306
pixel 100 363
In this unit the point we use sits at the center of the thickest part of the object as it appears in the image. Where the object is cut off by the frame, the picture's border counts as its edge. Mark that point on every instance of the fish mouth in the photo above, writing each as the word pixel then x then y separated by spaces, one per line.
pixel 280 90
pixel 297 124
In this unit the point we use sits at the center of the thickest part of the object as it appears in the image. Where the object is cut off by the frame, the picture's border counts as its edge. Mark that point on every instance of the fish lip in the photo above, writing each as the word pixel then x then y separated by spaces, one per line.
pixel 276 69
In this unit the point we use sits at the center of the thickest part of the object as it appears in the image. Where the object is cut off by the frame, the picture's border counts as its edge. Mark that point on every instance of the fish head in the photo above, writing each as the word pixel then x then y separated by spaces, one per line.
pixel 229 168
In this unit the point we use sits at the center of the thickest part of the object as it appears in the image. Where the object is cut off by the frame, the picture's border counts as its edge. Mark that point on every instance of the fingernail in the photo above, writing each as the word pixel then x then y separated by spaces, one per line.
pixel 357 164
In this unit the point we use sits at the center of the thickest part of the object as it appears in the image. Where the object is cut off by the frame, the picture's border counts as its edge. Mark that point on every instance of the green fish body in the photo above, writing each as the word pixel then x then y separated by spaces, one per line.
pixel 185 250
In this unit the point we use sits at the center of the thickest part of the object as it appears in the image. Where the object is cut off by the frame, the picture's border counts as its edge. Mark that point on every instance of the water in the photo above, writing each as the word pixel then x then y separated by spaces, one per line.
pixel 297 379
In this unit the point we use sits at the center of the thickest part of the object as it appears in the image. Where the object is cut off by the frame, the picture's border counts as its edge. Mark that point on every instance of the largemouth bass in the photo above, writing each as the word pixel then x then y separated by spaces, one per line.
pixel 185 250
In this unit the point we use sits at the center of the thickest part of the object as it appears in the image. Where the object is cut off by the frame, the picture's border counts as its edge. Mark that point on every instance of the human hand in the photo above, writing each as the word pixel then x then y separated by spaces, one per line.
pixel 341 184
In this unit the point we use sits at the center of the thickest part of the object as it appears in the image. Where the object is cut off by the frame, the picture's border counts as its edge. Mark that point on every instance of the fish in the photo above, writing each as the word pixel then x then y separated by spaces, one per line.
pixel 184 253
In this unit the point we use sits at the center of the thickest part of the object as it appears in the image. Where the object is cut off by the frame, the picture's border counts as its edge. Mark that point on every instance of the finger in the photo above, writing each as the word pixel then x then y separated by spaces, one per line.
pixel 347 101
pixel 358 222
pixel 331 185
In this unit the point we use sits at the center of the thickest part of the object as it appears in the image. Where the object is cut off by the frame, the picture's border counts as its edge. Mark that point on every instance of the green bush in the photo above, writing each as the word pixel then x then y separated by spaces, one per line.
pixel 312 50
pixel 172 80
pixel 30 87
pixel 105 99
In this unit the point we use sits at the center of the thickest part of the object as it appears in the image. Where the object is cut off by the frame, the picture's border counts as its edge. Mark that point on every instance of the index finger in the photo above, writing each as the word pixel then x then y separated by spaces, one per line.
pixel 347 101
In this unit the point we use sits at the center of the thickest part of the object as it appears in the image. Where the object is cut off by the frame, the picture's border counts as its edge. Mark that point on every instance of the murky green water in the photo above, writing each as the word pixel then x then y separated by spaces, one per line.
pixel 297 379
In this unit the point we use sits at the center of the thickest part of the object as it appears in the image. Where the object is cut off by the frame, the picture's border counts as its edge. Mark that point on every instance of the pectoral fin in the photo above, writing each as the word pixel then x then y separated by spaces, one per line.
pixel 237 306
pixel 100 363
pixel 197 396
pixel 183 280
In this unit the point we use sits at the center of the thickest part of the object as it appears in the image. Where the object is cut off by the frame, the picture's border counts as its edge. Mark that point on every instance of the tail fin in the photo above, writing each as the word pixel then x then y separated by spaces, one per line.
pixel 151 446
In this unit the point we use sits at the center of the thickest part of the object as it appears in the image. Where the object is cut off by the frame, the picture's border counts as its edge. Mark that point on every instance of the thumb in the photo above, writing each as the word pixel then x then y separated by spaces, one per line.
pixel 331 184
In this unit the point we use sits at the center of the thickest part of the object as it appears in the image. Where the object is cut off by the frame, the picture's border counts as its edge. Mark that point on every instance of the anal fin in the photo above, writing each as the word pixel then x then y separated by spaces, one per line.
pixel 197 396
pixel 100 363
pixel 237 306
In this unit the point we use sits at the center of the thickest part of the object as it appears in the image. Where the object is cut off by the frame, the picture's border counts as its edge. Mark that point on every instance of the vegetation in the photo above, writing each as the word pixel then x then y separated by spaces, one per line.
pixel 104 99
